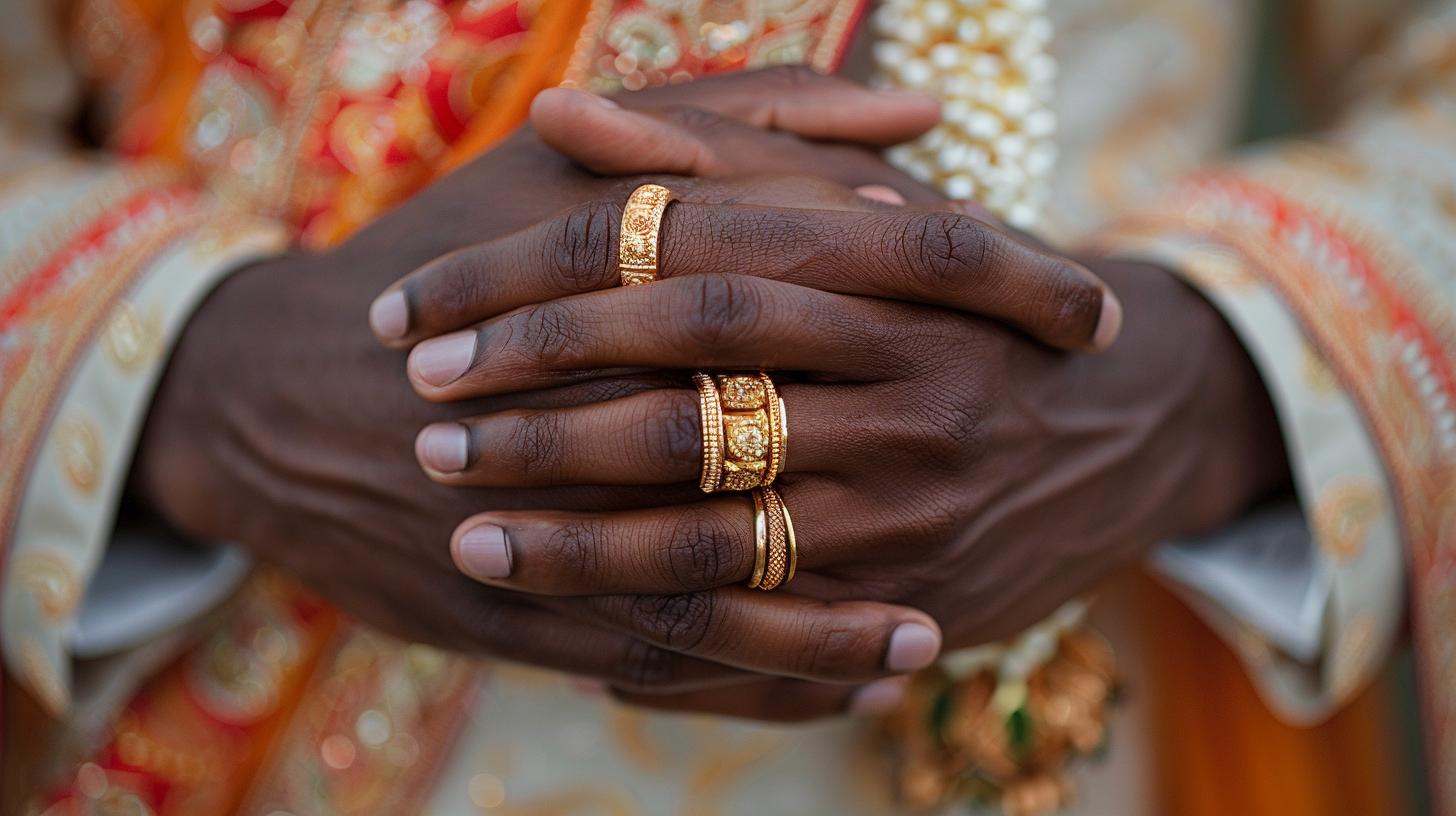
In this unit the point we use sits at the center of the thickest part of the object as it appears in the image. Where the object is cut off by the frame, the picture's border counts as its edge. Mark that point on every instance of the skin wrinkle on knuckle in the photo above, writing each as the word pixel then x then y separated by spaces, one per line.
pixel 697 119
pixel 532 445
pixel 1071 301
pixel 696 549
pixel 581 254
pixel 455 287
pixel 572 553
pixel 645 666
pixel 549 336
pixel 719 310
pixel 840 651
pixel 681 622
pixel 949 253
pixel 671 433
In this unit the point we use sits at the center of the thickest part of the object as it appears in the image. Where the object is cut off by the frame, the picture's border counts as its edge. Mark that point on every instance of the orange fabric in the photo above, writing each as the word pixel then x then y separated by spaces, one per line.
pixel 1218 751
pixel 541 66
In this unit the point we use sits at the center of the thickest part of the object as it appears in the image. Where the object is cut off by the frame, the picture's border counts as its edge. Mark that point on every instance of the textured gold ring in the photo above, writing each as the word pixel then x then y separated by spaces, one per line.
pixel 641 226
pixel 776 557
pixel 745 435
pixel 711 414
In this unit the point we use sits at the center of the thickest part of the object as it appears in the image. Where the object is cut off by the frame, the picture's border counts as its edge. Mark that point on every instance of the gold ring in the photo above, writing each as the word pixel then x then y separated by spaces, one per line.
pixel 641 223
pixel 712 418
pixel 745 433
pixel 776 556
pixel 760 540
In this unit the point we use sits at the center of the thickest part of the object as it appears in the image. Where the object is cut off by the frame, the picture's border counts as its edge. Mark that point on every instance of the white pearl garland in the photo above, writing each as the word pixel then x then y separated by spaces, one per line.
pixel 987 61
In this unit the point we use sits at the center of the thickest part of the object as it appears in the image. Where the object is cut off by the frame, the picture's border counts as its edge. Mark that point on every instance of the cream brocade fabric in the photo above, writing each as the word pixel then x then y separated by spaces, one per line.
pixel 1147 99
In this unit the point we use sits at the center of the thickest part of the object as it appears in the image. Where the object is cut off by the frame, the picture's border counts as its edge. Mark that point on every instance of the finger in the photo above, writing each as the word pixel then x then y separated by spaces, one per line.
pixel 693 141
pixel 777 700
pixel 649 438
pixel 776 633
pixel 796 100
pixel 664 550
pixel 803 101
pixel 545 639
pixel 700 321
pixel 938 258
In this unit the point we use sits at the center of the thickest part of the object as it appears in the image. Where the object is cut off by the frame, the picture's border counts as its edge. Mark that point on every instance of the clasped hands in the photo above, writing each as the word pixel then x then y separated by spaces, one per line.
pixel 963 459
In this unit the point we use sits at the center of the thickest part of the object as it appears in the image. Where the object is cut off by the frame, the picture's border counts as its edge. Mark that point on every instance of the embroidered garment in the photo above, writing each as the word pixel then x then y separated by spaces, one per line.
pixel 234 127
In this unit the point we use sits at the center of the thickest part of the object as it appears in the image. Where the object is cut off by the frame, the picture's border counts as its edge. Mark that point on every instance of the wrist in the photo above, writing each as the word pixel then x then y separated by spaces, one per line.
pixel 1220 449
pixel 184 468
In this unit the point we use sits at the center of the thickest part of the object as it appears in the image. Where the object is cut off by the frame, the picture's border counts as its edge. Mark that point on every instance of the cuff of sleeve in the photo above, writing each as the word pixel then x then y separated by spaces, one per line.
pixel 103 314
pixel 1343 490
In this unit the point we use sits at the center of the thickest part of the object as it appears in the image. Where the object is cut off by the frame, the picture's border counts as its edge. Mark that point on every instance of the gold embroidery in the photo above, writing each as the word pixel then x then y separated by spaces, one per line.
pixel 132 339
pixel 51 580
pixel 1318 376
pixel 78 444
pixel 1343 515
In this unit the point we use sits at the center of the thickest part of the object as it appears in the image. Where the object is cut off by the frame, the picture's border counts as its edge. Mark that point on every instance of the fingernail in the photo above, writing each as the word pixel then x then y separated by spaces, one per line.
pixel 484 552
pixel 913 646
pixel 879 697
pixel 389 315
pixel 443 448
pixel 880 192
pixel 606 102
pixel 442 360
pixel 1109 323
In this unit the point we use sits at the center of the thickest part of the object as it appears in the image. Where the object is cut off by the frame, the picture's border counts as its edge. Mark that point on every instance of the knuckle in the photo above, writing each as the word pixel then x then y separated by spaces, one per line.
pixel 1072 300
pixel 532 445
pixel 573 552
pixel 680 622
pixel 719 309
pixel 453 287
pixel 674 434
pixel 548 335
pixel 646 667
pixel 579 255
pixel 952 431
pixel 840 652
pixel 695 551
pixel 947 250
pixel 698 119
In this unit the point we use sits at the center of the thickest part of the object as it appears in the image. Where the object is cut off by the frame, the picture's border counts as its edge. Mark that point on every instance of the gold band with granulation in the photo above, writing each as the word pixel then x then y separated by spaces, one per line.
pixel 776 552
pixel 641 226
pixel 754 434
pixel 711 415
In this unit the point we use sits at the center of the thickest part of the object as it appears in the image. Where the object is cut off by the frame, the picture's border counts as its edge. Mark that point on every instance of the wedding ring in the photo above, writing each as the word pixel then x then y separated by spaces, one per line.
pixel 712 420
pixel 745 436
pixel 641 224
pixel 776 557
pixel 760 540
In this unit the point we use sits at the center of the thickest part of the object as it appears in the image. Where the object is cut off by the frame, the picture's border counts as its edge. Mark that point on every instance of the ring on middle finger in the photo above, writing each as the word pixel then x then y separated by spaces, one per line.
pixel 745 431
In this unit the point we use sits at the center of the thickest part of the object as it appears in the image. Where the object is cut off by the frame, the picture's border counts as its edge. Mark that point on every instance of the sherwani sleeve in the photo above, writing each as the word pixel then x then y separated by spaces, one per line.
pixel 1334 259
pixel 102 260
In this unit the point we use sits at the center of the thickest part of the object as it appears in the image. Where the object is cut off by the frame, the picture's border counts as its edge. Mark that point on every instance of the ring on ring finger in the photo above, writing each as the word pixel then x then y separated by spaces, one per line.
pixel 745 431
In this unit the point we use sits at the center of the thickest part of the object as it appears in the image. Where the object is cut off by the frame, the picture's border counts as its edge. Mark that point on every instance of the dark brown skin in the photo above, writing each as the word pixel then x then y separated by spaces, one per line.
pixel 993 478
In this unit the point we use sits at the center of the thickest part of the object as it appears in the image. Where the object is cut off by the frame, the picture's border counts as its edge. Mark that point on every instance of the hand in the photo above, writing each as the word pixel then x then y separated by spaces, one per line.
pixel 937 460
pixel 281 424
